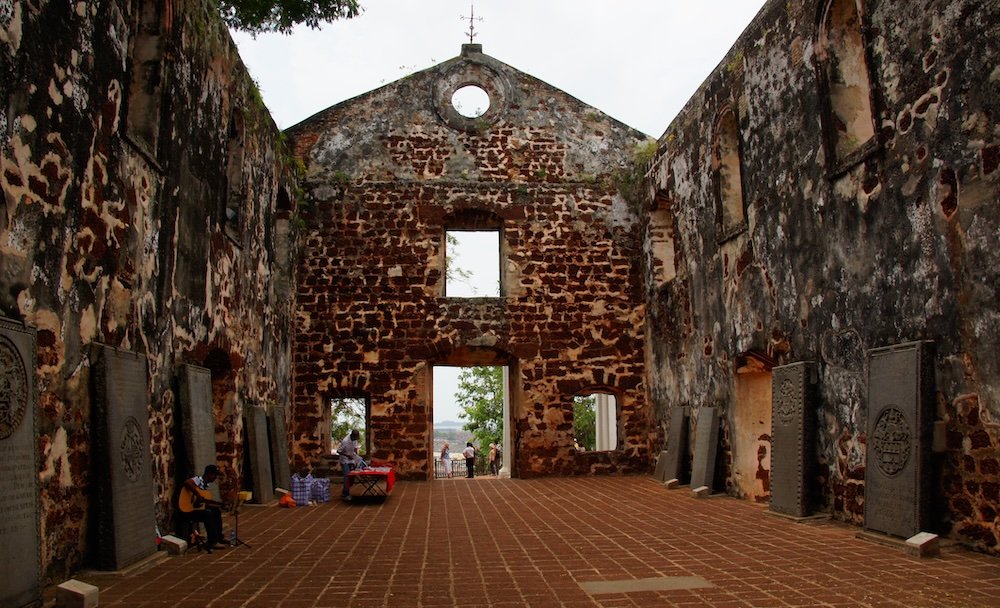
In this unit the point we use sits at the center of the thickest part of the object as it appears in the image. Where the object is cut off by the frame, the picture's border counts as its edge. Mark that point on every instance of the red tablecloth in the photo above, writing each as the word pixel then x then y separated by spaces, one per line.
pixel 371 476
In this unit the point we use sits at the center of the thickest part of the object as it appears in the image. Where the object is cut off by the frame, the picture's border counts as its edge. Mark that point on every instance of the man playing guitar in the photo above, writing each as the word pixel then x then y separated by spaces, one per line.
pixel 197 504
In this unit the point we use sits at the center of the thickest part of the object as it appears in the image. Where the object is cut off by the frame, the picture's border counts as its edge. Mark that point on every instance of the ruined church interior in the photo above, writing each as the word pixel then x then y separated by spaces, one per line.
pixel 787 304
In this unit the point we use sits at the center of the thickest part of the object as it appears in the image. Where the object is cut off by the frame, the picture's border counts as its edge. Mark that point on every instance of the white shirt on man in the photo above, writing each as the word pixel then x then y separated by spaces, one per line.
pixel 348 449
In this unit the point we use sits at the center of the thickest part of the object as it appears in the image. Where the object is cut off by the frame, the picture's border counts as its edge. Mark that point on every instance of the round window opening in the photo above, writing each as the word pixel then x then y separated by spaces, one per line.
pixel 471 101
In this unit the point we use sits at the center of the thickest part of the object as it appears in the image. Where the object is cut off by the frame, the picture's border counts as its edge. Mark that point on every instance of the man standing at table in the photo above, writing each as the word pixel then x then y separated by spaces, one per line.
pixel 470 459
pixel 349 459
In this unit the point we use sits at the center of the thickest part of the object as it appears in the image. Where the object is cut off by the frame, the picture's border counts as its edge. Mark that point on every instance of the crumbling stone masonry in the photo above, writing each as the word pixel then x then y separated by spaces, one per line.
pixel 858 209
pixel 831 188
pixel 387 173
pixel 145 206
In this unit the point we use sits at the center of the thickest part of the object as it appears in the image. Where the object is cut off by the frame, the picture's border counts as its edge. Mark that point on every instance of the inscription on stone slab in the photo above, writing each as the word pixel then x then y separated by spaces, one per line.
pixel 706 445
pixel 198 423
pixel 278 437
pixel 125 531
pixel 259 454
pixel 793 431
pixel 20 574
pixel 675 456
pixel 900 411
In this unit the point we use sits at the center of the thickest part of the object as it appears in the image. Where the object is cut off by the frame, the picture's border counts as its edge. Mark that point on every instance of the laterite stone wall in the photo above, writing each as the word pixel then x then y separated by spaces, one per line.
pixel 894 242
pixel 387 174
pixel 142 208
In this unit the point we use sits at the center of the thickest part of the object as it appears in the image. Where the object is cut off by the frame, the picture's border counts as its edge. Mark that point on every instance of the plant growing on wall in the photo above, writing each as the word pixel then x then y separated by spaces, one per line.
pixel 257 16
pixel 630 180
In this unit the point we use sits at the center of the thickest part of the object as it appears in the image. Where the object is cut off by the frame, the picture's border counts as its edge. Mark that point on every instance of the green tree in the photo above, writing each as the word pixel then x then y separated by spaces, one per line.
pixel 347 414
pixel 480 395
pixel 585 421
pixel 257 16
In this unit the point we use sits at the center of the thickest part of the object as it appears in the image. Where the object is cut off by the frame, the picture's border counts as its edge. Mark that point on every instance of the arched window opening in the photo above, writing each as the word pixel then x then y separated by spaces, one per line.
pixel 283 202
pixel 661 240
pixel 750 435
pixel 145 91
pixel 728 174
pixel 232 220
pixel 850 122
pixel 595 422
pixel 348 414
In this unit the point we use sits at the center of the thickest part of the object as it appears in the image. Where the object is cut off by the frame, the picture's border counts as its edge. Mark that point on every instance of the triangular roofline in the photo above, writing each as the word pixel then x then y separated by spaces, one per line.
pixel 468 50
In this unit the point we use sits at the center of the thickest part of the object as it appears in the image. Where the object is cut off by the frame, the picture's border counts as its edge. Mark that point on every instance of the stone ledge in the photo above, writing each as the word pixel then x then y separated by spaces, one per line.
pixel 797 519
pixel 922 545
pixel 701 492
pixel 76 594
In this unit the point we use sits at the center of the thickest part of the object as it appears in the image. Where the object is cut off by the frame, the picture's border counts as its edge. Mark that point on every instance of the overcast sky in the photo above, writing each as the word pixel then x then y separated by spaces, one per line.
pixel 636 60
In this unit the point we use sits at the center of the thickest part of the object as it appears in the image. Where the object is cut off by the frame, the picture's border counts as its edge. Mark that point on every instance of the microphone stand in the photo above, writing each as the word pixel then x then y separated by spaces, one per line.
pixel 234 536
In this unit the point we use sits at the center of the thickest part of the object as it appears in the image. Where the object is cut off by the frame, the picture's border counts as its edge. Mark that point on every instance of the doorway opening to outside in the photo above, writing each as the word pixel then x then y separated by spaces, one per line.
pixel 468 408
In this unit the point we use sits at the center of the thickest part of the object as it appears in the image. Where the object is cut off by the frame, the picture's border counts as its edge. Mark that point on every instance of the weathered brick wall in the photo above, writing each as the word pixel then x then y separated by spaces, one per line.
pixel 387 174
pixel 897 246
pixel 113 233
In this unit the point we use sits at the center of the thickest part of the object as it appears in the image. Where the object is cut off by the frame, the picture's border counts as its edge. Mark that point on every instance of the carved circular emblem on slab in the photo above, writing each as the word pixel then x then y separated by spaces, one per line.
pixel 13 388
pixel 890 441
pixel 788 401
pixel 132 449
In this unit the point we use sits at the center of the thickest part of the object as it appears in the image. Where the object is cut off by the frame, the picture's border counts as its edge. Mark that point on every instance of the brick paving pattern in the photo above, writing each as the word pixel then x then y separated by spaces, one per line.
pixel 484 542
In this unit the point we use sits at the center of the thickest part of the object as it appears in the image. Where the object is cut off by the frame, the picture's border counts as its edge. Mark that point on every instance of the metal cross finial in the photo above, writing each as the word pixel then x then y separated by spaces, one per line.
pixel 472 19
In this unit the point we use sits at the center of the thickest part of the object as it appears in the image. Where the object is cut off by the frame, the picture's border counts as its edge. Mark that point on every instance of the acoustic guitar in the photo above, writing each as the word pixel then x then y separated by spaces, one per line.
pixel 197 500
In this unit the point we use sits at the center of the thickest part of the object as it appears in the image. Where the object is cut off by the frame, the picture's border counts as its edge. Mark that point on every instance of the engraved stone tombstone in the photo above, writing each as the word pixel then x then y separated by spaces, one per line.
pixel 20 575
pixel 197 422
pixel 279 448
pixel 259 454
pixel 900 413
pixel 122 473
pixel 706 445
pixel 671 462
pixel 793 433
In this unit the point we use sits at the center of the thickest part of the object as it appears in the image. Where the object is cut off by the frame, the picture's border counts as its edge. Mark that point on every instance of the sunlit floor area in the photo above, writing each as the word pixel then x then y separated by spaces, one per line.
pixel 571 542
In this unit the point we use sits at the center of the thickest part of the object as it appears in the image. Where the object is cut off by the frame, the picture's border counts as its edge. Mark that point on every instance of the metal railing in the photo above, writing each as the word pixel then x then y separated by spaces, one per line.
pixel 458 467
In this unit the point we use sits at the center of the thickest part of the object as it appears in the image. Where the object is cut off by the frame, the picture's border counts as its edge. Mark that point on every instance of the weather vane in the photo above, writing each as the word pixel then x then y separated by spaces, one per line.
pixel 472 22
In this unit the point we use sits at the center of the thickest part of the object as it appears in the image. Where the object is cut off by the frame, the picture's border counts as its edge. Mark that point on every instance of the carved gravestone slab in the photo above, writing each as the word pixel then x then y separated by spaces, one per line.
pixel 122 473
pixel 793 436
pixel 900 410
pixel 258 454
pixel 706 446
pixel 197 422
pixel 670 465
pixel 20 554
pixel 278 436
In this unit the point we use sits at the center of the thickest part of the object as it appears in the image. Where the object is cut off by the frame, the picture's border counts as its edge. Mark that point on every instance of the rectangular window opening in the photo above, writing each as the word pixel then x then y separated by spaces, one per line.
pixel 595 422
pixel 472 264
pixel 349 414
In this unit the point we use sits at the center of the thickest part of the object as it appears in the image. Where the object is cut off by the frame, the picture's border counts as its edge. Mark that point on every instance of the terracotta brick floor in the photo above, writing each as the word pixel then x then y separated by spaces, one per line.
pixel 531 543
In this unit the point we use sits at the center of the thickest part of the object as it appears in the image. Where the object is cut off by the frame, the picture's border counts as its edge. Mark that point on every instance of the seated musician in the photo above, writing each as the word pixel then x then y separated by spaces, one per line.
pixel 197 504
